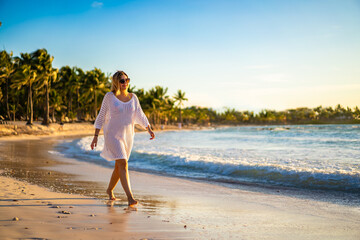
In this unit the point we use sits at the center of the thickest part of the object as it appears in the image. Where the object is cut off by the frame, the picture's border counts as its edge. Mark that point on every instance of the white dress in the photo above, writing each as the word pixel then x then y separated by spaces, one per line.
pixel 118 119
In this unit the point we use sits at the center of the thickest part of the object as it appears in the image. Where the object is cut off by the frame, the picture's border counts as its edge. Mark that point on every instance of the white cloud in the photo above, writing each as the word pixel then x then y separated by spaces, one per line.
pixel 97 4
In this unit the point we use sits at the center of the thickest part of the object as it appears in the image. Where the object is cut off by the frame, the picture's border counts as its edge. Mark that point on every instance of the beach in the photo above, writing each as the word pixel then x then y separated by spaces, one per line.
pixel 214 119
pixel 28 210
pixel 32 212
pixel 19 129
pixel 170 207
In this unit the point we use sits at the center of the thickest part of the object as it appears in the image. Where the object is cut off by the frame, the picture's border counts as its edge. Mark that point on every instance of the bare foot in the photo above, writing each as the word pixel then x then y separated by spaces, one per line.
pixel 132 202
pixel 111 195
pixel 110 203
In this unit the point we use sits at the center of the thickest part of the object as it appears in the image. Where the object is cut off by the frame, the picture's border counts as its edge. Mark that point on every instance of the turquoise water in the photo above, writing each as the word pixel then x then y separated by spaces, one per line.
pixel 323 157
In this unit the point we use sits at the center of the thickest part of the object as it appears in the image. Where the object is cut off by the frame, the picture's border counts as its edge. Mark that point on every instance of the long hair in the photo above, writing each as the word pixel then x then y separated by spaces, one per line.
pixel 115 80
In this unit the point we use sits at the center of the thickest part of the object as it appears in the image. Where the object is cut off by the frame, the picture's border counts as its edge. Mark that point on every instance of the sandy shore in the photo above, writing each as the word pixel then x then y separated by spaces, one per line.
pixel 19 130
pixel 31 212
pixel 168 204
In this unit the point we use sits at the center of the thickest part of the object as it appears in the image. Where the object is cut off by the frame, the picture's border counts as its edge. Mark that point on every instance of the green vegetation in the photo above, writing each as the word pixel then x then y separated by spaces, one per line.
pixel 31 89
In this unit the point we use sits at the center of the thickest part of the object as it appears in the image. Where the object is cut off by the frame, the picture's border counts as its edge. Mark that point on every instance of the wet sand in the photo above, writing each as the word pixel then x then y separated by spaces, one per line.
pixel 179 208
pixel 30 212
pixel 32 199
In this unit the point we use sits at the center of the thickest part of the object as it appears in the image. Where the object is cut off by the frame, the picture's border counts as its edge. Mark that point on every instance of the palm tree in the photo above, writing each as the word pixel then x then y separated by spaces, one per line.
pixel 65 75
pixel 229 115
pixel 179 97
pixel 72 86
pixel 52 75
pixel 157 102
pixel 46 75
pixel 356 113
pixel 95 86
pixel 131 88
pixel 78 82
pixel 190 114
pixel 13 110
pixel 56 101
pixel 25 76
pixel 7 68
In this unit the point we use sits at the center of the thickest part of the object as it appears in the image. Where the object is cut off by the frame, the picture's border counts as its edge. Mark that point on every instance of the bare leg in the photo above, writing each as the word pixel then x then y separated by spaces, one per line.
pixel 113 181
pixel 125 181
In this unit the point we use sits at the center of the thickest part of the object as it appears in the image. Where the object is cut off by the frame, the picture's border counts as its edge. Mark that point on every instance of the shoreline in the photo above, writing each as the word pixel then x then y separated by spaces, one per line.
pixel 32 198
pixel 19 130
pixel 241 213
pixel 327 196
pixel 33 212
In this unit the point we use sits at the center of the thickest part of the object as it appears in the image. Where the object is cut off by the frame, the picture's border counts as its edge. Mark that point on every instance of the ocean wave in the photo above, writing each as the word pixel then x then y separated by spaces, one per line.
pixel 265 173
pixel 319 157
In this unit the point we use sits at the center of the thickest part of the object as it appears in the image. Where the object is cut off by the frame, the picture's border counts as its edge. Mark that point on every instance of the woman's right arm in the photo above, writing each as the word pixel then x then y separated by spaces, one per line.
pixel 100 120
pixel 94 141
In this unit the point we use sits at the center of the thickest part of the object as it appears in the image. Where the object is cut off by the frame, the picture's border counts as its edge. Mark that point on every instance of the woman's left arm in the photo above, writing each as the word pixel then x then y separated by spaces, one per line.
pixel 141 119
pixel 152 134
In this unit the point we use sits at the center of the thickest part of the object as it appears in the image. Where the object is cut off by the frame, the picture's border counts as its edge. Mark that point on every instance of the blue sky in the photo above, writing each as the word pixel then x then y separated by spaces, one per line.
pixel 249 55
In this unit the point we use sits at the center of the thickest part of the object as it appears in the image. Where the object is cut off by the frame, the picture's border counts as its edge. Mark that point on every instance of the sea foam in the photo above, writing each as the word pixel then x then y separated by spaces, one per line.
pixel 316 157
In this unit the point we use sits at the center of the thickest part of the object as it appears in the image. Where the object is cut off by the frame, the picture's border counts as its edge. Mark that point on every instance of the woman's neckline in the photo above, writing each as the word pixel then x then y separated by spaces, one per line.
pixel 132 96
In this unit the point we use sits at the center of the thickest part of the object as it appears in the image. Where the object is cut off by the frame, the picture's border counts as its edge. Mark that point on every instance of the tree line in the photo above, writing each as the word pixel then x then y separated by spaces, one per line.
pixel 32 89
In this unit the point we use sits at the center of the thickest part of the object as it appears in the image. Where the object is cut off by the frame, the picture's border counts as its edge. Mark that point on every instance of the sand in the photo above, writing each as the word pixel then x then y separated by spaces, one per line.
pixel 32 212
pixel 19 130
pixel 171 208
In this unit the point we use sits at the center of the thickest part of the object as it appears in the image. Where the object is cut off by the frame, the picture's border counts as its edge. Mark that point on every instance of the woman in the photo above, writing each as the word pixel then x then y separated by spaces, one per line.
pixel 119 112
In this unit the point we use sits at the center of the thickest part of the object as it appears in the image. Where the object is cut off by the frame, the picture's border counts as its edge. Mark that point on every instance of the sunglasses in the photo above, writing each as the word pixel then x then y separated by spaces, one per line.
pixel 122 81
